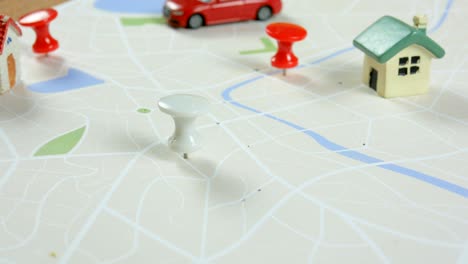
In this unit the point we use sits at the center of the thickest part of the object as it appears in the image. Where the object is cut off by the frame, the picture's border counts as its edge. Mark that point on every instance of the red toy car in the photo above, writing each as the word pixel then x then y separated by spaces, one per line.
pixel 196 13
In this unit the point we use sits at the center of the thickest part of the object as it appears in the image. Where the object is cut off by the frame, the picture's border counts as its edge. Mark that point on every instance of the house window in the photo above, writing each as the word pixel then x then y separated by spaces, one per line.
pixel 403 71
pixel 415 59
pixel 414 69
pixel 9 40
pixel 403 61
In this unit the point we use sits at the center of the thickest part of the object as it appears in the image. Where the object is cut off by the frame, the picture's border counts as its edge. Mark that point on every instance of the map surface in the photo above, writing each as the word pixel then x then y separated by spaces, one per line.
pixel 312 167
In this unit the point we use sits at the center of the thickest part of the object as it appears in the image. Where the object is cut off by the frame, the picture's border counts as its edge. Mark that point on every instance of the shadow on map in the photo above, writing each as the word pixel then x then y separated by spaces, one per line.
pixel 228 187
pixel 294 78
pixel 17 102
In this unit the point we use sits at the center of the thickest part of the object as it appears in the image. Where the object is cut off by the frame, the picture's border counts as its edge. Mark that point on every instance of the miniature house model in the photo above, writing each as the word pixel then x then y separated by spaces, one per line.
pixel 397 56
pixel 9 53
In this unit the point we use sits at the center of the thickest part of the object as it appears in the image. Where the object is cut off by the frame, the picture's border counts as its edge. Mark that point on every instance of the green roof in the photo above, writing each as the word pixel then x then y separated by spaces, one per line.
pixel 388 36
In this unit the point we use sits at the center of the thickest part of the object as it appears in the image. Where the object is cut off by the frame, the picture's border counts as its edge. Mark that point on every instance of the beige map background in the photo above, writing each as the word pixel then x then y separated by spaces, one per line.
pixel 259 191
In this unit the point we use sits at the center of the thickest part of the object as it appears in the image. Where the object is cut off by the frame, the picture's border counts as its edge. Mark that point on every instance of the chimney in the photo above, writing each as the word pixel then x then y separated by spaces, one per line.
pixel 420 22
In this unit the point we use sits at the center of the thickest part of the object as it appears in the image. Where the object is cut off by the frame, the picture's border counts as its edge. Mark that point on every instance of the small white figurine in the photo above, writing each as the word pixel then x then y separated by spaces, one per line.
pixel 184 109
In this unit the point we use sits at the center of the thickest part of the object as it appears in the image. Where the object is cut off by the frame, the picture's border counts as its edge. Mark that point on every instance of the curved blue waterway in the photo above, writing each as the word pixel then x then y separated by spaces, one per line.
pixel 75 79
pixel 131 6
pixel 444 16
pixel 341 150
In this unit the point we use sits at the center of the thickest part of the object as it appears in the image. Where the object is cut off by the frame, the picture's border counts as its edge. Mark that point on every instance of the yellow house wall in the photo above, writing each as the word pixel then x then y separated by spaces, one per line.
pixel 411 84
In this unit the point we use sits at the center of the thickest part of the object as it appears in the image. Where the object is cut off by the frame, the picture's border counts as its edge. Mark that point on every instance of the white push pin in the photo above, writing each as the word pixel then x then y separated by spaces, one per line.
pixel 184 109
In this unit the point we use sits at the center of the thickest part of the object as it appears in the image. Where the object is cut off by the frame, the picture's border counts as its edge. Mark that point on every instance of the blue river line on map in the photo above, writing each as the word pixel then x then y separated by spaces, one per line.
pixel 76 79
pixel 324 142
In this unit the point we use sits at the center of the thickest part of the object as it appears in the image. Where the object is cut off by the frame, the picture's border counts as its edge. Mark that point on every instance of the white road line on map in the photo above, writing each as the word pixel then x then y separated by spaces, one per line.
pixel 377 250
pixel 93 33
pixel 238 201
pixel 299 191
pixel 368 138
pixel 69 156
pixel 102 204
pixel 448 82
pixel 207 208
pixel 295 231
pixel 448 174
pixel 430 131
pixel 22 115
pixel 399 160
pixel 127 132
pixel 412 203
pixel 331 29
pixel 244 216
pixel 205 219
pixel 381 228
pixel 351 6
pixel 30 182
pixel 321 236
pixel 231 61
pixel 435 7
pixel 8 232
pixel 182 199
pixel 277 140
pixel 172 40
pixel 463 258
pixel 459 92
pixel 37 218
pixel 434 112
pixel 132 56
pixel 136 232
pixel 150 234
pixel 251 155
pixel 12 168
pixel 290 107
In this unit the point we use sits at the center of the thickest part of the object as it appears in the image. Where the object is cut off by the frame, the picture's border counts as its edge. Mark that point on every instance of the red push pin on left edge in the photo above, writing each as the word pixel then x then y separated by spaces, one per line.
pixel 286 34
pixel 39 21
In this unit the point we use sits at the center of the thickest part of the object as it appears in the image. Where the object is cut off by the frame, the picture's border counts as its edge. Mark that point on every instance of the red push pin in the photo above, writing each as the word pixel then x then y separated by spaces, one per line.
pixel 286 34
pixel 39 21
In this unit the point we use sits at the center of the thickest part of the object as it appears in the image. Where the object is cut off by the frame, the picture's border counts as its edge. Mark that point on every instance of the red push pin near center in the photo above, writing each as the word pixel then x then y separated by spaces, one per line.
pixel 286 34
pixel 39 21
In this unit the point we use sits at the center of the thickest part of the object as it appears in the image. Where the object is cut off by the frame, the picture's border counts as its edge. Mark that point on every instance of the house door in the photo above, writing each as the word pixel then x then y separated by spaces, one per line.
pixel 11 70
pixel 374 74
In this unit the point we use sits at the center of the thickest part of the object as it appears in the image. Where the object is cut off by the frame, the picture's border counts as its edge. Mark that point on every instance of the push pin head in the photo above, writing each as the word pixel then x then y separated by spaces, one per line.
pixel 286 34
pixel 184 109
pixel 39 21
